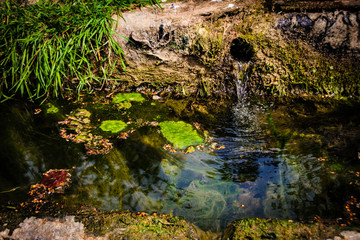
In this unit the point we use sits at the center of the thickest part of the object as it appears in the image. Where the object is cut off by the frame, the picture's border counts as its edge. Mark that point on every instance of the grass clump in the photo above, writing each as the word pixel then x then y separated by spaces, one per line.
pixel 52 46
pixel 113 126
pixel 180 134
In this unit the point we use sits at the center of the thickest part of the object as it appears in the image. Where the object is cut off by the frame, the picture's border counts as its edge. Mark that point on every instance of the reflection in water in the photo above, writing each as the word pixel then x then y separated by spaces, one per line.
pixel 249 178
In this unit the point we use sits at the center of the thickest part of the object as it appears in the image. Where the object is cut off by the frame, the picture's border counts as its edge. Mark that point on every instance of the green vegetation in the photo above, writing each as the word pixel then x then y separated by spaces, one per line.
pixel 128 97
pixel 52 46
pixel 255 228
pixel 113 126
pixel 180 134
pixel 286 66
pixel 51 108
pixel 208 45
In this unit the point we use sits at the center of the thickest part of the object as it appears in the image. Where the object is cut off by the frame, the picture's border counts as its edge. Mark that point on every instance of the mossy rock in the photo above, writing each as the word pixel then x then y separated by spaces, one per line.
pixel 180 134
pixel 113 126
pixel 255 228
pixel 128 97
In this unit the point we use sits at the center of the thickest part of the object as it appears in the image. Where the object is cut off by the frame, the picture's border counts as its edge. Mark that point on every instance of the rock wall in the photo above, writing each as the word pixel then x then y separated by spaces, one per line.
pixel 313 5
pixel 187 48
pixel 337 31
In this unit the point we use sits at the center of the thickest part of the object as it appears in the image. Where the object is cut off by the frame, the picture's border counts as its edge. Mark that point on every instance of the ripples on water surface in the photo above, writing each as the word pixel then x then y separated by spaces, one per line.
pixel 253 176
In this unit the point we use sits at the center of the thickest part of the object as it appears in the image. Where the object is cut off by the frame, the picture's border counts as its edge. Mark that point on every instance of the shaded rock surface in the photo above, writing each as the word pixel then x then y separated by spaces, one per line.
pixel 337 31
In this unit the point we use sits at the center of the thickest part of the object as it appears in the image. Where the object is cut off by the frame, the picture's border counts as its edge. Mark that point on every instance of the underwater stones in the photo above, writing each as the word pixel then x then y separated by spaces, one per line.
pixel 180 134
pixel 241 50
pixel 113 126
pixel 128 97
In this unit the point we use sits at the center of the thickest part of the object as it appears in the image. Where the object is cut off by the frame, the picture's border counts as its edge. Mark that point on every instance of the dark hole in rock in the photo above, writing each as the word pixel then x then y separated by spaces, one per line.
pixel 241 50
pixel 161 31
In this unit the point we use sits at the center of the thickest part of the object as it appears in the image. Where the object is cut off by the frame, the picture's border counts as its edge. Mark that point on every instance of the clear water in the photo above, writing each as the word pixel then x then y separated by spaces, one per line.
pixel 253 176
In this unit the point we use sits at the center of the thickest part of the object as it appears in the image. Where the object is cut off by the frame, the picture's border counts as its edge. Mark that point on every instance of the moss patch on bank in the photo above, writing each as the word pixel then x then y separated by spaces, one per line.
pixel 256 228
pixel 126 225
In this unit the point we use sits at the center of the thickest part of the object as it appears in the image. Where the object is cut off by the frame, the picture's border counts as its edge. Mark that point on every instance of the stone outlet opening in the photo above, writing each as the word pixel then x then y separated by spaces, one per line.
pixel 241 50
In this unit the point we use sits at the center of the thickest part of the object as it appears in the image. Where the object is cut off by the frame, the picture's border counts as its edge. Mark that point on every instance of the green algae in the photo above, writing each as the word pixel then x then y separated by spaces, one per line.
pixel 128 97
pixel 180 134
pixel 125 105
pixel 113 126
pixel 51 108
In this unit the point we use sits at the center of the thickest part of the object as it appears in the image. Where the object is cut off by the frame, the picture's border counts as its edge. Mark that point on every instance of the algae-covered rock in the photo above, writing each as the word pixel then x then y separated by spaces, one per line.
pixel 128 97
pixel 255 228
pixel 180 134
pixel 113 126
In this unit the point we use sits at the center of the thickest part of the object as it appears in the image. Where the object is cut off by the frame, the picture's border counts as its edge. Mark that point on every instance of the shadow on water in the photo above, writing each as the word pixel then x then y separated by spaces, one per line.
pixel 252 175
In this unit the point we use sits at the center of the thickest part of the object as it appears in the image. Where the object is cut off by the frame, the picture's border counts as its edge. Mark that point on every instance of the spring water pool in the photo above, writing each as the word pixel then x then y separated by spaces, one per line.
pixel 243 168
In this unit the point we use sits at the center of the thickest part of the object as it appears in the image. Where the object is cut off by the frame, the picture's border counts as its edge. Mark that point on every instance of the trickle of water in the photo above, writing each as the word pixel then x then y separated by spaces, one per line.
pixel 245 113
pixel 241 79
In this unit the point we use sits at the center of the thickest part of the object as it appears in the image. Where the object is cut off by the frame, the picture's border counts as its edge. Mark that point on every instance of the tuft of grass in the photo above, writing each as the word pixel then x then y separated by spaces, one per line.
pixel 48 47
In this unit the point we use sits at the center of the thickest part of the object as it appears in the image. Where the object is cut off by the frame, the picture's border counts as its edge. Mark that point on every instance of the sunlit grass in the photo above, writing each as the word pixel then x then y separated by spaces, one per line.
pixel 48 47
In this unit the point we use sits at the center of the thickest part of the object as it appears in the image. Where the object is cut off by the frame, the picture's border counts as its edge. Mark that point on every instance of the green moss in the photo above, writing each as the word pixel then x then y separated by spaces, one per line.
pixel 51 108
pixel 126 225
pixel 180 134
pixel 128 97
pixel 252 228
pixel 113 126
pixel 208 45
pixel 125 105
